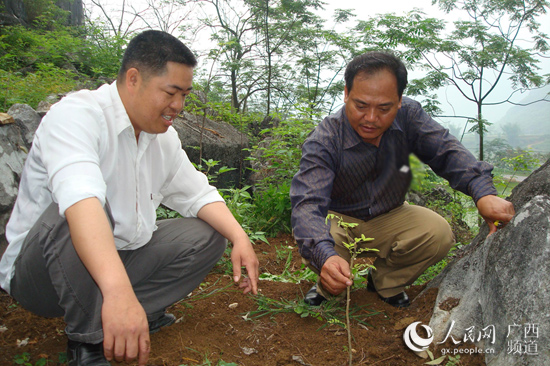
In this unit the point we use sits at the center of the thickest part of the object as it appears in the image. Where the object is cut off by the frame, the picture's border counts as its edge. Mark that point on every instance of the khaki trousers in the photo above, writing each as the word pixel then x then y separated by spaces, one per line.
pixel 409 239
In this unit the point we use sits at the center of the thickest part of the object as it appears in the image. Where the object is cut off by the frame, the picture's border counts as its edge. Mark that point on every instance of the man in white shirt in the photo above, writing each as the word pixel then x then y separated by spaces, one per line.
pixel 83 238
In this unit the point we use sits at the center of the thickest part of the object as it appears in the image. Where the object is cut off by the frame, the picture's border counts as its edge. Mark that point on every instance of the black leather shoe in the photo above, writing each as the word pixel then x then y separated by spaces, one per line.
pixel 399 301
pixel 86 354
pixel 165 320
pixel 370 282
pixel 313 298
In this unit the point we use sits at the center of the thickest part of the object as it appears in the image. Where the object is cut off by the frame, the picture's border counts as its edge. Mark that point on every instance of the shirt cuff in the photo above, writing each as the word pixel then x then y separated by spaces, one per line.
pixel 322 251
pixel 482 186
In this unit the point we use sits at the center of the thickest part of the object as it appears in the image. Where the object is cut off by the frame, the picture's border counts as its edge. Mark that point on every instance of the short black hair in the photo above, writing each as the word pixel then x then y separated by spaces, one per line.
pixel 150 51
pixel 372 62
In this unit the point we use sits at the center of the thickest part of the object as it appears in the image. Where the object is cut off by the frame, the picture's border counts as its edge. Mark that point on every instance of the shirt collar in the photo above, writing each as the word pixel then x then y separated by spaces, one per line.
pixel 122 120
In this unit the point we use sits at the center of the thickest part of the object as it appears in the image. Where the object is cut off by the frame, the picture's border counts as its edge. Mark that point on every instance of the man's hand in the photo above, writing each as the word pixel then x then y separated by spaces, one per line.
pixel 493 208
pixel 335 275
pixel 125 328
pixel 243 255
pixel 221 219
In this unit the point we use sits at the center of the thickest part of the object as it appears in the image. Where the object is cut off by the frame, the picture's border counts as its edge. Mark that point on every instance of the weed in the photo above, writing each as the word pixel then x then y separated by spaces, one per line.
pixel 289 276
pixel 518 163
pixel 435 269
pixel 164 213
pixel 208 169
pixel 331 311
pixel 207 362
pixel 242 206
pixel 25 359
pixel 453 361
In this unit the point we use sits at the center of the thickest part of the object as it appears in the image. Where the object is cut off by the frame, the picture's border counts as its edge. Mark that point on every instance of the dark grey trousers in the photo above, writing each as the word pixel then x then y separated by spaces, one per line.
pixel 50 279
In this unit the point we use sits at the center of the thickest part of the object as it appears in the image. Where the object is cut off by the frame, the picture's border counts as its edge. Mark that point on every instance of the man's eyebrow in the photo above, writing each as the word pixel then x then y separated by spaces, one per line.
pixel 387 104
pixel 179 87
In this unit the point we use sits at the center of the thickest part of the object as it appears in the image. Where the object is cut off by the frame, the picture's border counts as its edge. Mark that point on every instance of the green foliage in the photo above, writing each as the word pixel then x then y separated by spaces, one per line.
pixel 355 249
pixel 330 312
pixel 435 269
pixel 45 14
pixel 241 204
pixel 36 62
pixel 289 276
pixel 207 167
pixel 266 213
pixel 25 360
pixel 472 55
pixel 280 152
pixel 523 162
pixel 164 213
pixel 207 362
pixel 101 54
pixel 34 87
pixel 453 361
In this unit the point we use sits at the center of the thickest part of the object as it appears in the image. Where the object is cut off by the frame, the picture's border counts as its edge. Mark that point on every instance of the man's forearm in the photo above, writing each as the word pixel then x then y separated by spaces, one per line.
pixel 217 215
pixel 94 243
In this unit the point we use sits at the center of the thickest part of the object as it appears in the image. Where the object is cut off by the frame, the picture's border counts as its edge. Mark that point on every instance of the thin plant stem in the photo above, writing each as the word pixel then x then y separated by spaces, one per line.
pixel 348 323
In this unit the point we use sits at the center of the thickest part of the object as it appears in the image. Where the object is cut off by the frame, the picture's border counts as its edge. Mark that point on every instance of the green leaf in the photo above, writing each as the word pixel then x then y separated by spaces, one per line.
pixel 437 361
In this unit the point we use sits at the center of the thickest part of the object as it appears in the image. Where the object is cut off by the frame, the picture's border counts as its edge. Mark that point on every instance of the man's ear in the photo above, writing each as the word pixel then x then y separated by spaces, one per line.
pixel 346 93
pixel 133 79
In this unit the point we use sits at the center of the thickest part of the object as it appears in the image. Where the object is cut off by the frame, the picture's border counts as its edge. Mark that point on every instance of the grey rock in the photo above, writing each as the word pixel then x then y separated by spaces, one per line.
pixel 27 120
pixel 220 142
pixel 13 152
pixel 500 283
pixel 43 108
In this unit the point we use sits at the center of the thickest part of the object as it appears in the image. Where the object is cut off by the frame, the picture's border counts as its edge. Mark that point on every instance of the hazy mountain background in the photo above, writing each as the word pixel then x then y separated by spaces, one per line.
pixel 527 127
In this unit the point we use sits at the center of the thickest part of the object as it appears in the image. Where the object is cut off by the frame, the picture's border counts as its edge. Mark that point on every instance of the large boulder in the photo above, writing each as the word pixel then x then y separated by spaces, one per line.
pixel 16 12
pixel 498 286
pixel 27 119
pixel 217 141
pixel 13 152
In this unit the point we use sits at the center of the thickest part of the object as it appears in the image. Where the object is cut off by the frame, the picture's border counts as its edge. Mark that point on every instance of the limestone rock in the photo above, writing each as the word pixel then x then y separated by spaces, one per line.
pixel 220 141
pixel 500 283
pixel 13 152
pixel 27 120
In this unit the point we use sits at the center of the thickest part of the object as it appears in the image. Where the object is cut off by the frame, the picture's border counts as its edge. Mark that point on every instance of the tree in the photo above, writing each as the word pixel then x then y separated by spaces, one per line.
pixel 256 39
pixel 500 40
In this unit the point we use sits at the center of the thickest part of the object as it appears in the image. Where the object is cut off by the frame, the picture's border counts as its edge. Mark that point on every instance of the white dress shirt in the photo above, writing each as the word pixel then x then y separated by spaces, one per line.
pixel 86 147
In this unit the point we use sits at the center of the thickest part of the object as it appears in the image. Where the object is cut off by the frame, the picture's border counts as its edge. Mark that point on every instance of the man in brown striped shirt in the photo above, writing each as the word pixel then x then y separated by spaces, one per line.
pixel 355 164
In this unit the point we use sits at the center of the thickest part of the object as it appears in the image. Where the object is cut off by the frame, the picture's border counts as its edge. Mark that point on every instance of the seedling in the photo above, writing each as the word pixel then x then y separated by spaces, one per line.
pixel 354 248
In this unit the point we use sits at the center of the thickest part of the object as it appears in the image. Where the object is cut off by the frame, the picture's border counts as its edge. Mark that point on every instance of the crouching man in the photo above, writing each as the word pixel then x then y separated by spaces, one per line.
pixel 83 238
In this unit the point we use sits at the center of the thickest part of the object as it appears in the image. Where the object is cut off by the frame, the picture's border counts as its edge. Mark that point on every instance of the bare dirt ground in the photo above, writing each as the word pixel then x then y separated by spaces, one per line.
pixel 209 330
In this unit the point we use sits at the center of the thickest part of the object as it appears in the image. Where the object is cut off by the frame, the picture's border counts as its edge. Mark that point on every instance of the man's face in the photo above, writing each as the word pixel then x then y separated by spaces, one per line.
pixel 158 99
pixel 372 104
